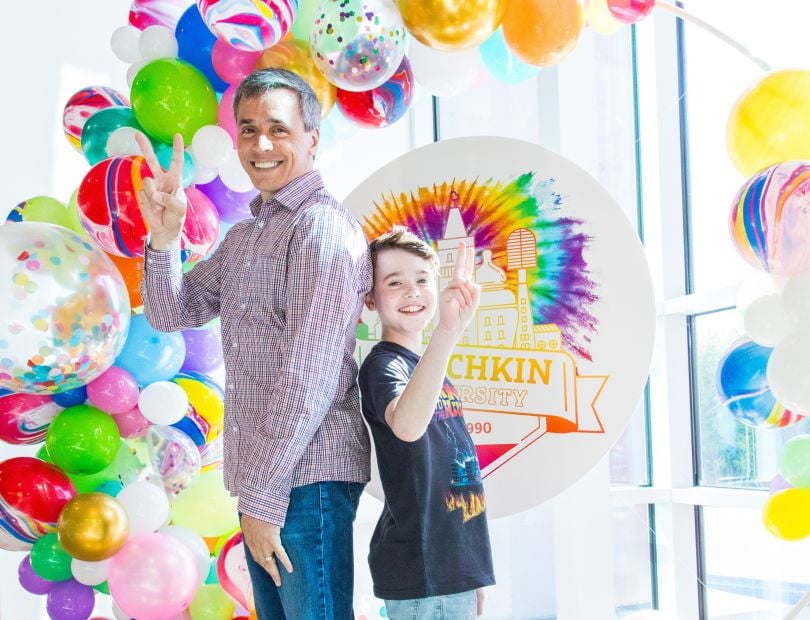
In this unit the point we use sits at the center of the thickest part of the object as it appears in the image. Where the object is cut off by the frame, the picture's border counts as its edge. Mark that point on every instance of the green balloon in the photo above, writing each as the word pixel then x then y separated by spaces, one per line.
pixel 102 587
pixel 794 461
pixel 304 19
pixel 211 603
pixel 99 126
pixel 45 209
pixel 170 96
pixel 74 222
pixel 124 469
pixel 206 507
pixel 83 440
pixel 49 560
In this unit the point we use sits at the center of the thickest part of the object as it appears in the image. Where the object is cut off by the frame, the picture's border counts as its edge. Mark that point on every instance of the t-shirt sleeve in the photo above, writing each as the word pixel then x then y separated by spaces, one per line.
pixel 382 379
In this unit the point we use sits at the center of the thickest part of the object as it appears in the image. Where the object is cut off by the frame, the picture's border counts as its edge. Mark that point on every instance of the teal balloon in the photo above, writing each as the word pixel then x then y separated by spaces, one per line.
pixel 164 156
pixel 502 64
pixel 794 461
pixel 170 96
pixel 98 128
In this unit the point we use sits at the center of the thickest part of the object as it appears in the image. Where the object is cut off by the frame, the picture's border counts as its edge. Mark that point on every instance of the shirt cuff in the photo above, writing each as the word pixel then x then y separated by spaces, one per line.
pixel 263 505
pixel 164 261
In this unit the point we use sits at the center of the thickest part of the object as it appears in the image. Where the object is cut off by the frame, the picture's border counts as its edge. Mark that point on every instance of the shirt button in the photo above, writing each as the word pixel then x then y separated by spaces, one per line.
pixel 230 386
pixel 234 344
pixel 260 225
pixel 247 263
pixel 243 306
pixel 235 429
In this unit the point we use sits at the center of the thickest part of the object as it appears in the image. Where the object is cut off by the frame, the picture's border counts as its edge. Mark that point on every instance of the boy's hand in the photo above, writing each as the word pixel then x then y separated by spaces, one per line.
pixel 459 301
pixel 163 203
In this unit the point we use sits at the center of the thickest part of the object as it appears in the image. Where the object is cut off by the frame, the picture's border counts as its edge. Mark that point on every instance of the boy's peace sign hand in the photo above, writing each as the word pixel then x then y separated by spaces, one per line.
pixel 459 300
pixel 163 202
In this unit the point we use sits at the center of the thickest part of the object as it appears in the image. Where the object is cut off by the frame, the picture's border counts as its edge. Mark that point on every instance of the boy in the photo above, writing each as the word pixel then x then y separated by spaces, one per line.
pixel 430 553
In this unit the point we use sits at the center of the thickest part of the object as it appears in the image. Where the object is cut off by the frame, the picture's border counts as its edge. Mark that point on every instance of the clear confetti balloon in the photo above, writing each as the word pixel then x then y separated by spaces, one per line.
pixel 172 455
pixel 250 25
pixel 357 45
pixel 65 309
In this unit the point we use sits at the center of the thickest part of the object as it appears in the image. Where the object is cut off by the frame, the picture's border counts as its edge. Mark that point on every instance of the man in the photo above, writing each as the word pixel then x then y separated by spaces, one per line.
pixel 289 286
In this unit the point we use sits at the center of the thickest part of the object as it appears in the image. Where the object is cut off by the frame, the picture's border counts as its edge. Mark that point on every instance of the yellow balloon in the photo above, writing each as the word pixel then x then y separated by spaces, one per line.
pixel 452 25
pixel 600 19
pixel 770 122
pixel 206 506
pixel 543 32
pixel 786 514
pixel 92 527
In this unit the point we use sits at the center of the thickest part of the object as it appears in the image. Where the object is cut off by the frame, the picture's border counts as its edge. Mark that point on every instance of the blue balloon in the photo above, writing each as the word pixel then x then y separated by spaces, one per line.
pixel 195 44
pixel 150 355
pixel 164 156
pixel 502 64
pixel 111 487
pixel 70 398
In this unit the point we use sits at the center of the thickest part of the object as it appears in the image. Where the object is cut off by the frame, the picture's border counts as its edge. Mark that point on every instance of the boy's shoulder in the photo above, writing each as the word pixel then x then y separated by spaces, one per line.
pixel 387 357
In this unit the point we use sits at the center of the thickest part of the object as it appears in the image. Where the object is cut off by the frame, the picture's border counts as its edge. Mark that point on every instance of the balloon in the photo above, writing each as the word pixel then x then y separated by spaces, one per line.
pixel 362 52
pixel 443 74
pixel 146 506
pixel 542 32
pixel 92 527
pixel 769 223
pixel 233 175
pixel 157 42
pixel 83 440
pixel 206 507
pixel 24 418
pixel 73 220
pixel 383 105
pixel 132 423
pixel 41 209
pixel 195 544
pixel 170 96
pixel 252 25
pixel 49 560
pixel 757 285
pixel 65 311
pixel 796 299
pixel 122 142
pixel 451 26
pixel 206 407
pixel 212 145
pixel 163 402
pixel 794 461
pixel 99 127
pixel 30 581
pixel 203 348
pixel 232 64
pixel 90 573
pixel 150 355
pixel 124 43
pixel 630 11
pixel 173 456
pixel 82 105
pixel 232 571
pixel 599 17
pixel 124 469
pixel 501 63
pixel 787 371
pixel 770 122
pixel 225 116
pixel 70 600
pixel 114 391
pixel 153 577
pixel 196 43
pixel 145 13
pixel 294 56
pixel 743 387
pixel 201 227
pixel 164 152
pixel 766 322
pixel 232 206
pixel 303 21
pixel 211 603
pixel 778 483
pixel 68 398
pixel 131 270
pixel 785 514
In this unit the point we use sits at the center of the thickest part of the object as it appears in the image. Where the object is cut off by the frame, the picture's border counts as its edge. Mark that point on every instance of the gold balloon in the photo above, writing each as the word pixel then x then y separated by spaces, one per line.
pixel 92 527
pixel 452 25
pixel 770 122
pixel 294 56
pixel 543 32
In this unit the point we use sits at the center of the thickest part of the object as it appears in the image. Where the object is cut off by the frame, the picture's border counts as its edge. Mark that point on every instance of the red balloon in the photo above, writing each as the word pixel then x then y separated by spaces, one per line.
pixel 35 488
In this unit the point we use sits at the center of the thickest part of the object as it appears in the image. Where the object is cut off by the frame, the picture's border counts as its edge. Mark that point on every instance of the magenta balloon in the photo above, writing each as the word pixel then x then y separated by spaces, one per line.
pixel 232 206
pixel 225 116
pixel 114 391
pixel 203 349
pixel 232 64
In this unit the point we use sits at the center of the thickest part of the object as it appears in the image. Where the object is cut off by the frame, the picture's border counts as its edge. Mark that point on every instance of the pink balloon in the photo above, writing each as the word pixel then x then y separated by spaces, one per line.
pixel 630 11
pixel 201 227
pixel 132 423
pixel 225 116
pixel 25 418
pixel 114 391
pixel 232 64
pixel 232 571
pixel 153 577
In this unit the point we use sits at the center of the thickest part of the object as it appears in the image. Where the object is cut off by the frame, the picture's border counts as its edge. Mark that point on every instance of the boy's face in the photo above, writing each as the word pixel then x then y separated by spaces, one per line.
pixel 404 294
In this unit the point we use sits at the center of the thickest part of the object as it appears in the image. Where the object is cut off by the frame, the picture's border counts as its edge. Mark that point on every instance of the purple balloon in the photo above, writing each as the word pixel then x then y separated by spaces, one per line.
pixel 30 581
pixel 779 484
pixel 232 206
pixel 203 349
pixel 71 600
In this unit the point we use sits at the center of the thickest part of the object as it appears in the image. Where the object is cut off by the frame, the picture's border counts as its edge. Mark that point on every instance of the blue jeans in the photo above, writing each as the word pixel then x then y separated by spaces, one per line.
pixel 317 536
pixel 461 606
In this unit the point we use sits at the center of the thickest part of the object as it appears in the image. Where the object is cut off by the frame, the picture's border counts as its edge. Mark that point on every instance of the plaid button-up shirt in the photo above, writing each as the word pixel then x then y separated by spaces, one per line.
pixel 288 286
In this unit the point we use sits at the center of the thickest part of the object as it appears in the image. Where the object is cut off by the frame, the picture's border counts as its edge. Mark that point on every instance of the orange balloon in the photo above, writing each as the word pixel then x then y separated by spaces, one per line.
pixel 132 271
pixel 294 55
pixel 451 25
pixel 543 32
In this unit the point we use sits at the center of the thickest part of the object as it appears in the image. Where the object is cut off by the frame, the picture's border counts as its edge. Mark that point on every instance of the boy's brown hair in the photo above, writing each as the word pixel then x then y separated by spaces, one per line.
pixel 400 238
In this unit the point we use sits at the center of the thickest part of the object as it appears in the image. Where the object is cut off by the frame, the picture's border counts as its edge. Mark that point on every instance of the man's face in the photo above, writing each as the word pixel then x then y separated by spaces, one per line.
pixel 273 145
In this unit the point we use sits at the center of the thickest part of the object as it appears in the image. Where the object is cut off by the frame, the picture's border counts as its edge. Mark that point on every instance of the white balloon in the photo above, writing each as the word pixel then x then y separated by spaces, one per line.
pixel 89 573
pixel 163 402
pixel 444 73
pixel 194 542
pixel 787 372
pixel 122 142
pixel 146 505
pixel 119 615
pixel 133 71
pixel 765 320
pixel 157 42
pixel 203 174
pixel 124 43
pixel 211 145
pixel 233 175
pixel 796 299
pixel 755 286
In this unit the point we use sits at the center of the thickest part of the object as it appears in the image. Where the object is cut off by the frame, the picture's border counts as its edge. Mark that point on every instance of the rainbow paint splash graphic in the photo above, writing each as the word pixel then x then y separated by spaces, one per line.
pixel 503 217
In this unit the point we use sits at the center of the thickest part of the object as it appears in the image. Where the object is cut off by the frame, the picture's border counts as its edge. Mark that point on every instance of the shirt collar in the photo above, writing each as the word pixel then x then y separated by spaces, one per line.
pixel 292 195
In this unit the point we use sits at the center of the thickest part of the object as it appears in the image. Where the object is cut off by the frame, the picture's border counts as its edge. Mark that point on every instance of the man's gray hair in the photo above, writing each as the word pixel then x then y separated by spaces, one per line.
pixel 264 80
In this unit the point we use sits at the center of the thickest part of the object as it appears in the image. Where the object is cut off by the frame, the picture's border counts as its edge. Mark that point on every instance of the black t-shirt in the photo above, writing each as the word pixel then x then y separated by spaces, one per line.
pixel 432 537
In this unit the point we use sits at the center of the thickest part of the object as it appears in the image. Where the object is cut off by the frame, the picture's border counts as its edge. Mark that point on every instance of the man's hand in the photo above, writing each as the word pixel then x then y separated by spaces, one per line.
pixel 459 300
pixel 163 203
pixel 264 541
pixel 479 596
